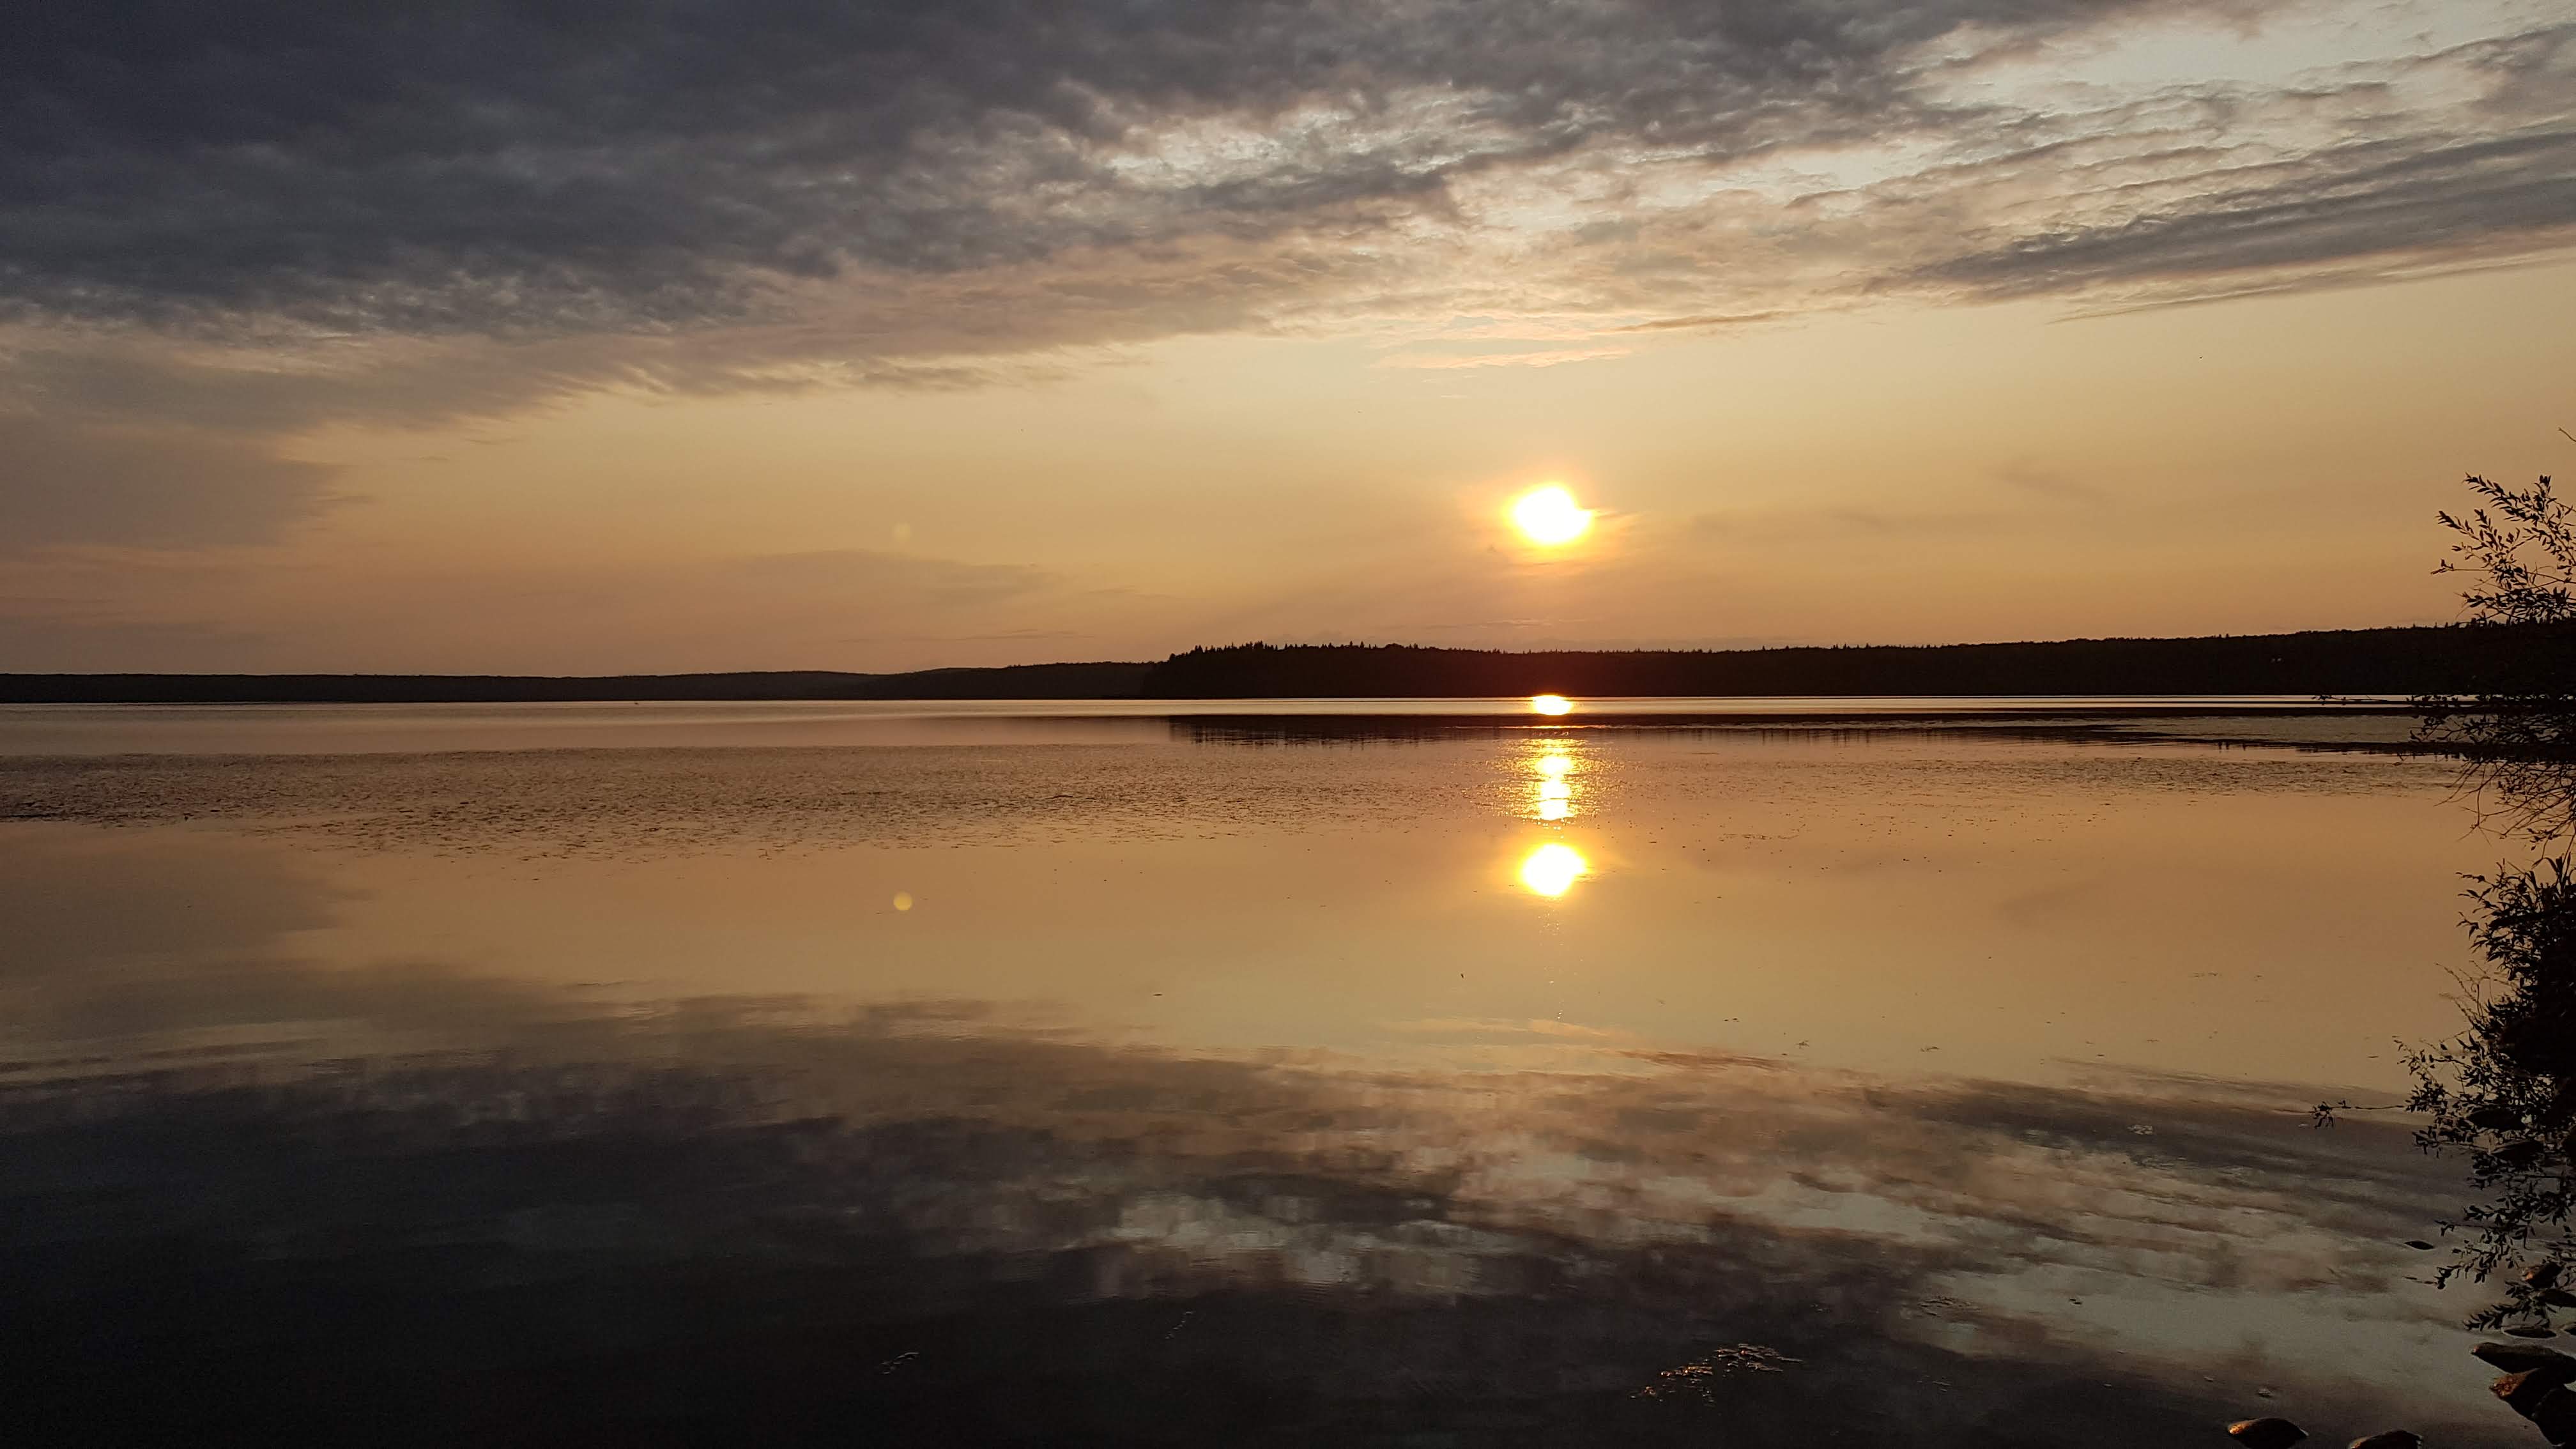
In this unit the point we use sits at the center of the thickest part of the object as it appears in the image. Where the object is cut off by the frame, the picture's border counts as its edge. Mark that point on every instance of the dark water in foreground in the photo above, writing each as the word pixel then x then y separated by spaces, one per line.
pixel 782 1074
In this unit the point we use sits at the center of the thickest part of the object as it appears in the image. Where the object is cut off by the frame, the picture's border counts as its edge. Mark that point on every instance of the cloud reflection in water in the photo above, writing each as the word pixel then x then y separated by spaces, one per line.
pixel 714 1216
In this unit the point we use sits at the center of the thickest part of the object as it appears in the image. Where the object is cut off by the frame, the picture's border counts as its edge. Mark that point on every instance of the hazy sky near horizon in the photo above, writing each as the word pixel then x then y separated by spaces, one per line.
pixel 585 337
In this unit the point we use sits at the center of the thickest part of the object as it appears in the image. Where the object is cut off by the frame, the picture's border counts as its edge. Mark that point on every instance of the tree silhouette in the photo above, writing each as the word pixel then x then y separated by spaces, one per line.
pixel 2503 1092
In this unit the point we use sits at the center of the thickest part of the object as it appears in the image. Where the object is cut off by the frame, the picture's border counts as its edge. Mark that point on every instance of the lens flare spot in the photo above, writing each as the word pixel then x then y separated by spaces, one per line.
pixel 903 900
pixel 1553 868
pixel 1551 704
pixel 1550 517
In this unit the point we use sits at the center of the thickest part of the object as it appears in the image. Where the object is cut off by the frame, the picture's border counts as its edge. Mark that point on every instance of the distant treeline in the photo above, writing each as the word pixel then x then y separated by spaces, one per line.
pixel 2340 661
pixel 2456 659
pixel 1022 681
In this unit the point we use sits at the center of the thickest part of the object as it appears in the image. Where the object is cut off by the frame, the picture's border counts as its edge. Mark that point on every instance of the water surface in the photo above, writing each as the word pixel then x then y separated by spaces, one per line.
pixel 1789 1071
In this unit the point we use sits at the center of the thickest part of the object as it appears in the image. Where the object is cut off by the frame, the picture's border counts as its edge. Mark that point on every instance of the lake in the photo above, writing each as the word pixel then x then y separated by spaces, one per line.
pixel 1422 1072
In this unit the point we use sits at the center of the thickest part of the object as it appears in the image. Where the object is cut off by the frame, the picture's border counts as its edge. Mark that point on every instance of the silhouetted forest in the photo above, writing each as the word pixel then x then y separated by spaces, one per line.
pixel 1021 681
pixel 2459 659
pixel 2417 661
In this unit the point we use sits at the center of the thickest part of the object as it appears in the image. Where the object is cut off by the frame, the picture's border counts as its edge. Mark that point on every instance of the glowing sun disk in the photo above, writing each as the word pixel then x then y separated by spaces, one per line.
pixel 1550 516
pixel 1551 704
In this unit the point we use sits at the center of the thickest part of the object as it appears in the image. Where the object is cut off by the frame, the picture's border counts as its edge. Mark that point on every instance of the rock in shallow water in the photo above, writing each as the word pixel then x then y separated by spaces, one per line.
pixel 2556 1416
pixel 2516 1358
pixel 2266 1433
pixel 2523 1392
pixel 2390 1439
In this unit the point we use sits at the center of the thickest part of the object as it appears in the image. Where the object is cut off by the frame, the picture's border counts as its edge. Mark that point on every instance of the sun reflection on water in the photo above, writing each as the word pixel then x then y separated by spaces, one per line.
pixel 1555 800
pixel 1553 868
pixel 1556 767
pixel 1552 791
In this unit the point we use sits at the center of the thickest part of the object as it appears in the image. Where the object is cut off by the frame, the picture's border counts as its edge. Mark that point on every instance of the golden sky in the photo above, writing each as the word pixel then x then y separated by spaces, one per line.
pixel 765 335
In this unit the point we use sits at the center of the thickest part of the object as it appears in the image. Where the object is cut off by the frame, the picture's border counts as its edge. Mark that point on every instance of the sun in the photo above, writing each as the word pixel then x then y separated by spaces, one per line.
pixel 1550 517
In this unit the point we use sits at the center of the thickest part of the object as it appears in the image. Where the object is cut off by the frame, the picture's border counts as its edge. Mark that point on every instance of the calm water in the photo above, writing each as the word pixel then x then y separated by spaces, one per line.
pixel 1792 1072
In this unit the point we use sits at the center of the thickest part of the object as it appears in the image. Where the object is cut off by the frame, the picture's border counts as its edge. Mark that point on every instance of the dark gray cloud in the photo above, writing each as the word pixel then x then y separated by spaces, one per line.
pixel 570 165
pixel 2369 199
pixel 699 196
pixel 584 164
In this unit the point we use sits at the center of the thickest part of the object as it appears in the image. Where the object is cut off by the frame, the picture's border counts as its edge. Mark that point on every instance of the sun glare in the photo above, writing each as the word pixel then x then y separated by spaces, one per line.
pixel 1553 868
pixel 1551 704
pixel 1550 516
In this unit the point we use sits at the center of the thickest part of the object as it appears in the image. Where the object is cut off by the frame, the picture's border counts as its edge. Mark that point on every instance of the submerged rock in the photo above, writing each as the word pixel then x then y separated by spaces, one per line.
pixel 2523 1392
pixel 2556 1416
pixel 2518 1358
pixel 2266 1433
pixel 2390 1439
pixel 2521 1154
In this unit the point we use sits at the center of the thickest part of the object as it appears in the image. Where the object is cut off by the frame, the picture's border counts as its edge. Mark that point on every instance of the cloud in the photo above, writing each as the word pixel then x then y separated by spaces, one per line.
pixel 1851 524
pixel 2460 155
pixel 782 611
pixel 2040 480
pixel 1710 322
pixel 433 210
pixel 70 608
pixel 947 583
pixel 71 484
pixel 2371 200
pixel 1447 361
pixel 44 636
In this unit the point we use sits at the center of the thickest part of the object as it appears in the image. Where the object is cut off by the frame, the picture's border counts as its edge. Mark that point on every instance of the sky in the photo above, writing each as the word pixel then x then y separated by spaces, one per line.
pixel 565 336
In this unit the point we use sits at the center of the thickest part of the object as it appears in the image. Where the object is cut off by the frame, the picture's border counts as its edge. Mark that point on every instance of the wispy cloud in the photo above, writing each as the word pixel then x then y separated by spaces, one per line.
pixel 1450 361
pixel 1710 322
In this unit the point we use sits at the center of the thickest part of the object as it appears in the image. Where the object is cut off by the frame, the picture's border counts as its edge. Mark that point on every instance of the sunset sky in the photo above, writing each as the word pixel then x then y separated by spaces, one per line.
pixel 577 337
